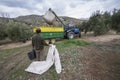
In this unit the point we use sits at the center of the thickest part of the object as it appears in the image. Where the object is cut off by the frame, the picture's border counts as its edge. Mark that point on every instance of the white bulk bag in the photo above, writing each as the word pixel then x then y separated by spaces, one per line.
pixel 39 67
pixel 49 17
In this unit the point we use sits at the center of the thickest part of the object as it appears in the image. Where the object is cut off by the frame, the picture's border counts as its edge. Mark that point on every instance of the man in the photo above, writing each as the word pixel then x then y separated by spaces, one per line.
pixel 38 44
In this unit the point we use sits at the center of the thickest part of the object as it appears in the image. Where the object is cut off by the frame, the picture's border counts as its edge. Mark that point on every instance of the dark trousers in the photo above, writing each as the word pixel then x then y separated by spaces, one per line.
pixel 39 55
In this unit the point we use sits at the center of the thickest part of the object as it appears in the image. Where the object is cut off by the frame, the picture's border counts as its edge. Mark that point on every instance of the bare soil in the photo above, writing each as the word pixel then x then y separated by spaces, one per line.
pixel 102 38
pixel 91 38
pixel 98 61
pixel 102 61
pixel 14 45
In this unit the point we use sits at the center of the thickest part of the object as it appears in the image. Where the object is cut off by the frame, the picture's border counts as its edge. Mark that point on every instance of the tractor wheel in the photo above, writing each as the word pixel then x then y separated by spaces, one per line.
pixel 70 35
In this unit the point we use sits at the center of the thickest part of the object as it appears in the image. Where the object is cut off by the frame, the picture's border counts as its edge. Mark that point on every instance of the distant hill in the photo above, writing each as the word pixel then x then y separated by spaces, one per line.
pixel 31 19
pixel 37 20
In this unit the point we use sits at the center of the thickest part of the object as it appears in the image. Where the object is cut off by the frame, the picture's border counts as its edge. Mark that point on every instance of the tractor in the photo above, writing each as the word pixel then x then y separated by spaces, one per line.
pixel 70 31
pixel 50 33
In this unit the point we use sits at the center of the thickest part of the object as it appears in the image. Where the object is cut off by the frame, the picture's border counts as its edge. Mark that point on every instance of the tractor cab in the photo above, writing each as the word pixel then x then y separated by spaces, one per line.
pixel 71 27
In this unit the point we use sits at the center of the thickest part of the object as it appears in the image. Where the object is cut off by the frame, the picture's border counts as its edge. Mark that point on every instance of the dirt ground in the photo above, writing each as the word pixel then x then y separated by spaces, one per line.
pixel 98 61
pixel 14 45
pixel 103 38
pixel 102 61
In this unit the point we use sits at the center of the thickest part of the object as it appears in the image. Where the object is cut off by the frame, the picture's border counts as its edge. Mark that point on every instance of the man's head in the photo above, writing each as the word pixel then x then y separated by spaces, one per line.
pixel 38 30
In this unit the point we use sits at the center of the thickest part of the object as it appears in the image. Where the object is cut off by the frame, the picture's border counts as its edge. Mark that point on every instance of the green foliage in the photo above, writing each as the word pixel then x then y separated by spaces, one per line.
pixel 3 33
pixel 13 32
pixel 25 31
pixel 116 20
pixel 101 23
pixel 18 32
pixel 68 43
pixel 98 23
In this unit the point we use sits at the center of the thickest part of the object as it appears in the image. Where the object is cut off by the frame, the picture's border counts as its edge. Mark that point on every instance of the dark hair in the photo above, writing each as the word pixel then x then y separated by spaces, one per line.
pixel 38 31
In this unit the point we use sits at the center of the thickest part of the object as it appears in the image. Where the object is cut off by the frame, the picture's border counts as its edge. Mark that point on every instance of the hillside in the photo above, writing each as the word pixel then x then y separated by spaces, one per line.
pixel 31 19
pixel 38 20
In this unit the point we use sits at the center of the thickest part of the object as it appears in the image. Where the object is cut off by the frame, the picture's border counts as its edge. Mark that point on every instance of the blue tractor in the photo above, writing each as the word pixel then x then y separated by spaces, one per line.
pixel 70 31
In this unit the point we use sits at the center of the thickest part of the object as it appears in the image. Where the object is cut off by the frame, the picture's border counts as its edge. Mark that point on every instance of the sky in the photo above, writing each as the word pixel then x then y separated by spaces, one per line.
pixel 71 8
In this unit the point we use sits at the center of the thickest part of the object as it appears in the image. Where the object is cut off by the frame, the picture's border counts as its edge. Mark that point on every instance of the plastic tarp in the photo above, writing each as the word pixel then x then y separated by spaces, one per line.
pixel 49 17
pixel 39 67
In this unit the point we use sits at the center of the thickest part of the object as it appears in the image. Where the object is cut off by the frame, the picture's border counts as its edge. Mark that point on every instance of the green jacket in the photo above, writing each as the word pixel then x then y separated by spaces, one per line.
pixel 37 42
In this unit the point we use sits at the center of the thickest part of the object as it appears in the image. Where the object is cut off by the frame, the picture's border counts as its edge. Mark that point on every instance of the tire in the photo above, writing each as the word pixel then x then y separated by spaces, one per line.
pixel 70 35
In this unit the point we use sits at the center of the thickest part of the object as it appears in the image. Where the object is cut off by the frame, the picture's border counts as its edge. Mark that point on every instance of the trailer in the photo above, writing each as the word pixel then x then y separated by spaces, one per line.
pixel 50 33
pixel 70 31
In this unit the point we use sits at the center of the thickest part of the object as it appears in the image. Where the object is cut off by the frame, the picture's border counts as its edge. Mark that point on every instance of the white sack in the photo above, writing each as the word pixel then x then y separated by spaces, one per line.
pixel 39 67
pixel 57 62
pixel 49 17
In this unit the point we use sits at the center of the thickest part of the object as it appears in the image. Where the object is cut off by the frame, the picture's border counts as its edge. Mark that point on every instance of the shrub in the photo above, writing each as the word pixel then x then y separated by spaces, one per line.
pixel 3 33
pixel 98 23
pixel 18 32
pixel 116 20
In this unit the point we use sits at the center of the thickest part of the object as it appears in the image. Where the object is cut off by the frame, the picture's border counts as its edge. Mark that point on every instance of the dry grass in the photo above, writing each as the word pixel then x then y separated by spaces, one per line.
pixel 97 61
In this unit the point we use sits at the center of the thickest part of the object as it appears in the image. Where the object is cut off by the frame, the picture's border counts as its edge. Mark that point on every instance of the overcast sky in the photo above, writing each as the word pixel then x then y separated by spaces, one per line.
pixel 71 8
